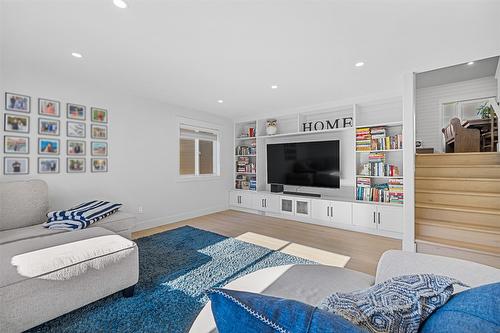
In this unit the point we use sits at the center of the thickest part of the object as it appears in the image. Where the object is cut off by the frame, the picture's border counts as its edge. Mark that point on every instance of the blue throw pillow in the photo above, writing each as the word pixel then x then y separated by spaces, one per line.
pixel 473 310
pixel 243 312
pixel 399 304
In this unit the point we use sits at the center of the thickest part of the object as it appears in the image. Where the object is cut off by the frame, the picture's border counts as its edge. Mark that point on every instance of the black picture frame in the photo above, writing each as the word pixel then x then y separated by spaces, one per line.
pixel 48 114
pixel 95 109
pixel 16 136
pixel 49 158
pixel 76 158
pixel 7 115
pixel 49 119
pixel 92 126
pixel 98 171
pixel 72 118
pixel 17 110
pixel 68 134
pixel 92 148
pixel 79 141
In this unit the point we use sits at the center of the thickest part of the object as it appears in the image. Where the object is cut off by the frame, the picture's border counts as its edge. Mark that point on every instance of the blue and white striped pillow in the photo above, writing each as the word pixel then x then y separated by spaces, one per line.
pixel 81 216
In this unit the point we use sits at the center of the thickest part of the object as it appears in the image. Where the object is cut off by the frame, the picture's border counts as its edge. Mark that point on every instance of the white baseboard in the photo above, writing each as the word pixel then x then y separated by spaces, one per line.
pixel 159 221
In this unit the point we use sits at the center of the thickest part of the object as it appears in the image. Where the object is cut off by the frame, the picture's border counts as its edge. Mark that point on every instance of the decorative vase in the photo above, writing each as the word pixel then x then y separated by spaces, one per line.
pixel 271 127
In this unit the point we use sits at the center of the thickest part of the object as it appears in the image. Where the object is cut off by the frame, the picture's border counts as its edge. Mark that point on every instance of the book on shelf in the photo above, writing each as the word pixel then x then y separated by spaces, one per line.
pixel 244 164
pixel 376 166
pixel 376 138
pixel 243 182
pixel 363 139
pixel 246 150
pixel 390 192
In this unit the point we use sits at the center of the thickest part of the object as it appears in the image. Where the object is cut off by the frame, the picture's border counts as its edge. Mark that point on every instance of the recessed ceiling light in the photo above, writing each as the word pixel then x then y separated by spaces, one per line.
pixel 470 63
pixel 120 4
pixel 220 101
pixel 274 86
pixel 76 55
pixel 359 64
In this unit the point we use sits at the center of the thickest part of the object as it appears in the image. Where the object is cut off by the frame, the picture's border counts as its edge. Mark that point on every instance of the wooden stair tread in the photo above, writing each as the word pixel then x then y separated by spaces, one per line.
pixel 461 226
pixel 483 249
pixel 479 194
pixel 451 154
pixel 458 179
pixel 459 208
pixel 479 166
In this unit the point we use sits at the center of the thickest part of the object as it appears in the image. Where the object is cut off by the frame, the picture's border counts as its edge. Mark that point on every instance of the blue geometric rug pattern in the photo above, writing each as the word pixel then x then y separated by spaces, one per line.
pixel 175 269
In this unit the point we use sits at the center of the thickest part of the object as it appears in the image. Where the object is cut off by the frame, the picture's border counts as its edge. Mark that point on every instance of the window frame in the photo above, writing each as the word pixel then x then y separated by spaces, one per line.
pixel 193 124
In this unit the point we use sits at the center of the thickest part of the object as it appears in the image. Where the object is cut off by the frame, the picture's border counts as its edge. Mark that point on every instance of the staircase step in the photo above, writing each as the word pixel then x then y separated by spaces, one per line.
pixel 483 158
pixel 479 235
pixel 491 185
pixel 456 198
pixel 466 215
pixel 458 171
pixel 487 255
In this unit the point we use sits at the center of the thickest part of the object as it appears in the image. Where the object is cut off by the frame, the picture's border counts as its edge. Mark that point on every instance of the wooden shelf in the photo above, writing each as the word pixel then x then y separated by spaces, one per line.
pixel 306 133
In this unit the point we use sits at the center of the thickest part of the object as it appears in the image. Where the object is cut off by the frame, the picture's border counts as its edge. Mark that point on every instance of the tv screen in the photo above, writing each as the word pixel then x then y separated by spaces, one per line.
pixel 315 164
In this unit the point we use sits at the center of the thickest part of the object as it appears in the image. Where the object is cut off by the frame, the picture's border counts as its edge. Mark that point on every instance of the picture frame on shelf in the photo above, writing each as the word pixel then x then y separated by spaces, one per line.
pixel 99 148
pixel 49 107
pixel 99 115
pixel 16 165
pixel 48 126
pixel 75 165
pixel 48 165
pixel 48 146
pixel 16 123
pixel 17 102
pixel 75 129
pixel 99 132
pixel 76 111
pixel 99 165
pixel 16 144
pixel 75 148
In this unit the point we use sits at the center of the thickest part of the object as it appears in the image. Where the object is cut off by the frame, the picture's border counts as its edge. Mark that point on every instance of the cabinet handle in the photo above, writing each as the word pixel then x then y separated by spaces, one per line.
pixel 374 218
pixel 331 211
pixel 239 199
pixel 378 217
pixel 265 203
pixel 327 211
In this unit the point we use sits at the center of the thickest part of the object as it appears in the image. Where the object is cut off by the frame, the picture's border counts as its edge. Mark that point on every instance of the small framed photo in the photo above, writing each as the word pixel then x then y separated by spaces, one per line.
pixel 75 165
pixel 48 146
pixel 16 123
pixel 99 148
pixel 99 164
pixel 75 148
pixel 98 132
pixel 75 111
pixel 16 145
pixel 48 126
pixel 99 115
pixel 16 102
pixel 16 166
pixel 48 165
pixel 48 107
pixel 75 129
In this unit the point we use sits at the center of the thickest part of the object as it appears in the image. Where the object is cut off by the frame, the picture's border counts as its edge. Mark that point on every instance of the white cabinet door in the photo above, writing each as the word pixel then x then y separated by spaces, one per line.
pixel 272 203
pixel 321 210
pixel 246 199
pixel 234 198
pixel 390 218
pixel 341 212
pixel 364 215
pixel 259 202
pixel 303 207
pixel 287 205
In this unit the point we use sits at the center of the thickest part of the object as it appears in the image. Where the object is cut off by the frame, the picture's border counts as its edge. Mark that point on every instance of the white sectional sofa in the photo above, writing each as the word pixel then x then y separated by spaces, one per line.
pixel 24 299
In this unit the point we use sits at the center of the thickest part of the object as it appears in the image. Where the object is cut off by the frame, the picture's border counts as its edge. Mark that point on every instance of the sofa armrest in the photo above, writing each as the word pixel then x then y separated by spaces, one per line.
pixel 396 263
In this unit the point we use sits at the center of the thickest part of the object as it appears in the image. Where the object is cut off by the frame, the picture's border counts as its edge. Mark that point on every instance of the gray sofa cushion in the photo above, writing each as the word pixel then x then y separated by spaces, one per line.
pixel 23 203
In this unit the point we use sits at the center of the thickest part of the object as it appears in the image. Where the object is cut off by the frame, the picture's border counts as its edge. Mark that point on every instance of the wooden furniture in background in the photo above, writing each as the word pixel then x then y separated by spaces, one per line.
pixel 459 139
pixel 489 132
pixel 457 206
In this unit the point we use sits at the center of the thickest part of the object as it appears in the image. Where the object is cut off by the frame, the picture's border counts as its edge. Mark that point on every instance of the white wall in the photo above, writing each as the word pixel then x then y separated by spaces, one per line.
pixel 428 122
pixel 142 153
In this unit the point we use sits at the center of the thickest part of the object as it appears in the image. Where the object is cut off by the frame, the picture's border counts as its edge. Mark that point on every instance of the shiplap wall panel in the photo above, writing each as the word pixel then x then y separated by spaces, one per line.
pixel 428 122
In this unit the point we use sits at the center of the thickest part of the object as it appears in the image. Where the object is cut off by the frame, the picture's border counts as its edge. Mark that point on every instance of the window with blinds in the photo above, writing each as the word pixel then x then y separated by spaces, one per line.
pixel 198 149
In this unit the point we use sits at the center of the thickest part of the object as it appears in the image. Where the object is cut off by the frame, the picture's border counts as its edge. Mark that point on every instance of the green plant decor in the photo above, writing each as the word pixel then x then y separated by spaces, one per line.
pixel 485 110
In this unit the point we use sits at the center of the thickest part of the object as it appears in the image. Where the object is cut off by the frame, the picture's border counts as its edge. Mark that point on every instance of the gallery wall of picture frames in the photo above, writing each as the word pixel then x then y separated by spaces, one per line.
pixel 78 147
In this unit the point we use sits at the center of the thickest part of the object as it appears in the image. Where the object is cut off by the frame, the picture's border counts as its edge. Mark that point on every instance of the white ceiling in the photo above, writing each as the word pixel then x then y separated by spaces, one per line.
pixel 193 53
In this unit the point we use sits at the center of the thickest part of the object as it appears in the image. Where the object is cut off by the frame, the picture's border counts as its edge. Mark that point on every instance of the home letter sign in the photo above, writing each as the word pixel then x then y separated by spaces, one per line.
pixel 321 125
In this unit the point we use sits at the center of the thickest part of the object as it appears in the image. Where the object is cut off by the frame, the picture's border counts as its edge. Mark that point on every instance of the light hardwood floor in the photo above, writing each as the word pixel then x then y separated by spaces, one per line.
pixel 364 249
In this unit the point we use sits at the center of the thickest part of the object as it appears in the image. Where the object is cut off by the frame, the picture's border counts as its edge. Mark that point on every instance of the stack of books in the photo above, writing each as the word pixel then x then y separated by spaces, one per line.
pixel 363 139
pixel 376 166
pixel 253 184
pixel 245 150
pixel 244 165
pixel 396 190
pixel 363 186
pixel 387 142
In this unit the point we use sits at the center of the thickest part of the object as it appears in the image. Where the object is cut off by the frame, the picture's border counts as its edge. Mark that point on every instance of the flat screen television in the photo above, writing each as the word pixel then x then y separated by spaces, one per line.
pixel 314 164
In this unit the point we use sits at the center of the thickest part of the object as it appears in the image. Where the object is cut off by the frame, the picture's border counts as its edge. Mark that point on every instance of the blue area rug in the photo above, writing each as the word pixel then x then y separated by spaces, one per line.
pixel 176 267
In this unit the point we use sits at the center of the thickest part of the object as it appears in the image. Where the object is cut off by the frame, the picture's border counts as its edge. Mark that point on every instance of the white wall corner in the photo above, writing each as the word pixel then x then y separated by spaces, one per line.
pixel 409 162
